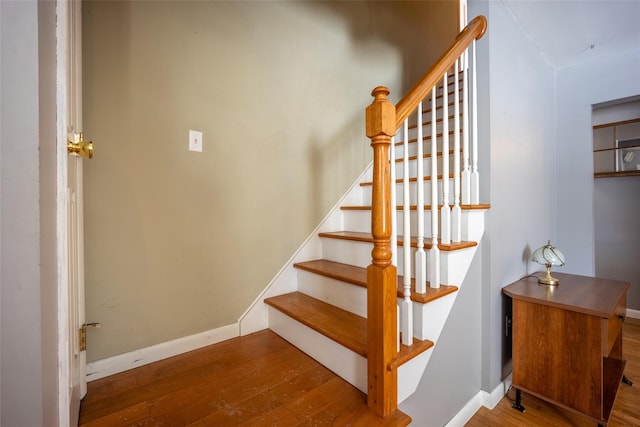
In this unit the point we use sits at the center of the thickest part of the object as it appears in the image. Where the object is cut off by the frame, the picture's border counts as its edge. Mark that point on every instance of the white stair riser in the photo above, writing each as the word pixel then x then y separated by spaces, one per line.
pixel 366 195
pixel 360 221
pixel 359 254
pixel 335 292
pixel 347 252
pixel 429 319
pixel 347 364
pixel 473 225
pixel 354 299
pixel 455 265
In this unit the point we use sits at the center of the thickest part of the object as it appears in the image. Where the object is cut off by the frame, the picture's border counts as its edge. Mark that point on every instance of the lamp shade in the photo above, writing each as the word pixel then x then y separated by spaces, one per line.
pixel 548 254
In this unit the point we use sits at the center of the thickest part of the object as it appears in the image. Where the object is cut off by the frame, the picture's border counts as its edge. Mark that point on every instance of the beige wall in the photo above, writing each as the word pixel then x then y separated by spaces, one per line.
pixel 180 242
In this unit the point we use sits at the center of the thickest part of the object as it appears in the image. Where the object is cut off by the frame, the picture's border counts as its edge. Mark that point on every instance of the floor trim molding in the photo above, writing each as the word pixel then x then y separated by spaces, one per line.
pixel 133 359
pixel 482 398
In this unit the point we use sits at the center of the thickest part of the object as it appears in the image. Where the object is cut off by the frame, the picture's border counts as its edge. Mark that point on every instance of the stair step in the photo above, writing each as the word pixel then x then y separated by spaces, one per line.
pixel 340 325
pixel 368 238
pixel 358 276
pixel 344 327
pixel 414 207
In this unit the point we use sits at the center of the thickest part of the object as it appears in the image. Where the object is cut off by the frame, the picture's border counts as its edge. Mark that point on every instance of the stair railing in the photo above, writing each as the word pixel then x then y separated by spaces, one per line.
pixel 384 124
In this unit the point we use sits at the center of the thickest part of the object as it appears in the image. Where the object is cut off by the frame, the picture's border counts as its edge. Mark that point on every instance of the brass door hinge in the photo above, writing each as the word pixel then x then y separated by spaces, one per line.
pixel 82 337
pixel 82 334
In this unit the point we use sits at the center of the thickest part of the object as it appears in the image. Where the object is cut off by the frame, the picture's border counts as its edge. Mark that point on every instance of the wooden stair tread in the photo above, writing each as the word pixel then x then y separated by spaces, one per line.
pixel 344 327
pixel 407 353
pixel 358 276
pixel 482 206
pixel 368 238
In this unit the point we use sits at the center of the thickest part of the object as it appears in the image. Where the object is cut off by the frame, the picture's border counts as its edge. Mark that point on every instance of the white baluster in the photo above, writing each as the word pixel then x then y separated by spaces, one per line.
pixel 406 312
pixel 456 212
pixel 421 256
pixel 466 173
pixel 475 176
pixel 445 212
pixel 434 253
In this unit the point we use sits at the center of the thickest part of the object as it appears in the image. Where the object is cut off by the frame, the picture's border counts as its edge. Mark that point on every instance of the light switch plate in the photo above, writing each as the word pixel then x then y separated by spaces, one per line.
pixel 195 140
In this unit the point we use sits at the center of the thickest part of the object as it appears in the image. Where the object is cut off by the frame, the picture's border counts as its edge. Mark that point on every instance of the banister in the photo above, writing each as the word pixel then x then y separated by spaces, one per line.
pixel 382 122
pixel 474 31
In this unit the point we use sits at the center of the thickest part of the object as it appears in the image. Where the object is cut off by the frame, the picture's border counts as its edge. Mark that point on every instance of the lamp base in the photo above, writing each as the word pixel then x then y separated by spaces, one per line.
pixel 548 280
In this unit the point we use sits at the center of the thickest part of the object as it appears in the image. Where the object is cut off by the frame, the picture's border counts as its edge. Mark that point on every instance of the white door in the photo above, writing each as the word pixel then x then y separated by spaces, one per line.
pixel 73 385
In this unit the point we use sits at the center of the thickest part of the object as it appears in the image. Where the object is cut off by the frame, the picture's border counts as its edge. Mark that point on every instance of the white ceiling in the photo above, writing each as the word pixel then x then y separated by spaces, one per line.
pixel 570 32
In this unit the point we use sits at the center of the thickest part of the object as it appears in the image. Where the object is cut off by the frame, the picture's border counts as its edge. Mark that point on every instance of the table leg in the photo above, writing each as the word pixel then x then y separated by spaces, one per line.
pixel 518 403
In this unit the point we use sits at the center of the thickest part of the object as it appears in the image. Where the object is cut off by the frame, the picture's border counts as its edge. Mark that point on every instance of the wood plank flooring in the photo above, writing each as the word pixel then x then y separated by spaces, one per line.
pixel 626 410
pixel 261 380
pixel 257 380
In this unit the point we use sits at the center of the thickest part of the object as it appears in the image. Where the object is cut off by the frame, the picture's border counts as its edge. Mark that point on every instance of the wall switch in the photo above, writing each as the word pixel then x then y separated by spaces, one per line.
pixel 195 141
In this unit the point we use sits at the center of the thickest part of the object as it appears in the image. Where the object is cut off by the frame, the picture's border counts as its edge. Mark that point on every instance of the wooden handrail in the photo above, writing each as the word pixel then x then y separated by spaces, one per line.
pixel 474 31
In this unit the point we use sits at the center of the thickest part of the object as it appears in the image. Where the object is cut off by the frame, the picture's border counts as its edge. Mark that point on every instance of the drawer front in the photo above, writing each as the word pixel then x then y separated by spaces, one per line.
pixel 614 329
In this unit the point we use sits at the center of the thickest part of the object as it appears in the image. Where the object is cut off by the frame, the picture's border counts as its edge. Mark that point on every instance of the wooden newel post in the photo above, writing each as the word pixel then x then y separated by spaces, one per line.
pixel 382 323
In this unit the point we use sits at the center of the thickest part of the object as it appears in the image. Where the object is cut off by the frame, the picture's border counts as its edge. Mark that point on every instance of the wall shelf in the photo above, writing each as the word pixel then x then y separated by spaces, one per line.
pixel 616 149
pixel 615 174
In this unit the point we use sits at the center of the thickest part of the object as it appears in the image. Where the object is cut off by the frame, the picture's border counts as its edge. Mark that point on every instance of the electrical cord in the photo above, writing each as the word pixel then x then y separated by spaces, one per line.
pixel 507 394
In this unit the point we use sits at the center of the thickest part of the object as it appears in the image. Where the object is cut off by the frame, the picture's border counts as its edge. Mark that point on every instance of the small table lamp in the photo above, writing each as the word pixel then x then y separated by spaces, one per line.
pixel 548 255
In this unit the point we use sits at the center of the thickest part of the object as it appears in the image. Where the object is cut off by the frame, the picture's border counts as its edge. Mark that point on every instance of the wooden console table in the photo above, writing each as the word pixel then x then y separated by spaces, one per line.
pixel 567 342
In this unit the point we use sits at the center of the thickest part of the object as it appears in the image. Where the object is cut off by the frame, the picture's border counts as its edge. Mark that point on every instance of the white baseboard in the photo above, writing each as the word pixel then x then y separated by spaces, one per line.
pixel 634 314
pixel 467 411
pixel 482 398
pixel 133 359
pixel 490 400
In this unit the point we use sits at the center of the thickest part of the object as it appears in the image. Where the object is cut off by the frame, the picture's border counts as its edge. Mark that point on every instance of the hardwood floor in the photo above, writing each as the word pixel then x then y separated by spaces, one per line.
pixel 261 380
pixel 257 380
pixel 626 410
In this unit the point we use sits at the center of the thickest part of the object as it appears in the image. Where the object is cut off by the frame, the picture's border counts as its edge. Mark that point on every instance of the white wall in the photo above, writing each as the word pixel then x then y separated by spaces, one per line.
pixel 579 88
pixel 541 165
pixel 453 374
pixel 517 91
pixel 28 319
pixel 616 204
pixel 617 232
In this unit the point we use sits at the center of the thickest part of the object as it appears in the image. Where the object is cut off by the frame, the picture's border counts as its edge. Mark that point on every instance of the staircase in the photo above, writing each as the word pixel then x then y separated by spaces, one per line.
pixel 325 300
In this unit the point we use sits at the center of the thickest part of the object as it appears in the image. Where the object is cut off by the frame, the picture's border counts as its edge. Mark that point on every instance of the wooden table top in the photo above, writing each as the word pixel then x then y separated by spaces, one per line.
pixel 584 294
